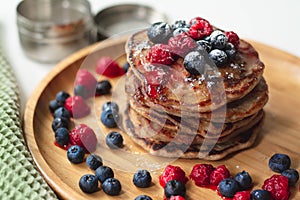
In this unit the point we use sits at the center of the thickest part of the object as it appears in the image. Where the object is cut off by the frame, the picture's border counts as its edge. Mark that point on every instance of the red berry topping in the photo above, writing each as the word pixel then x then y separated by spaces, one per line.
pixel 108 67
pixel 278 186
pixel 153 91
pixel 77 107
pixel 200 28
pixel 84 136
pixel 156 77
pixel 177 198
pixel 242 195
pixel 161 54
pixel 195 20
pixel 155 82
pixel 172 173
pixel 233 38
pixel 182 44
pixel 201 174
pixel 87 80
pixel 219 174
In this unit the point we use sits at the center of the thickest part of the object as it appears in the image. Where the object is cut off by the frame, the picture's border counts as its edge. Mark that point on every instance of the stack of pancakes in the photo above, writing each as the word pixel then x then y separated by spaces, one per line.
pixel 173 114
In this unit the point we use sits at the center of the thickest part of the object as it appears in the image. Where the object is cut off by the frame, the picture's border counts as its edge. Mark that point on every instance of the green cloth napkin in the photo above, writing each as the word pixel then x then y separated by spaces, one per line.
pixel 19 179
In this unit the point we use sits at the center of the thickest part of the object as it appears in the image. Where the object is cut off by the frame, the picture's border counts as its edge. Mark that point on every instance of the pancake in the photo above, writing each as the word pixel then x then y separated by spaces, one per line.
pixel 204 151
pixel 146 128
pixel 152 124
pixel 189 93
pixel 235 111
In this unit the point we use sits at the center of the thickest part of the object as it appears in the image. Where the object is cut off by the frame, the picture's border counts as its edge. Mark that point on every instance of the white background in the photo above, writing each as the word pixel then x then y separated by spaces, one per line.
pixel 273 22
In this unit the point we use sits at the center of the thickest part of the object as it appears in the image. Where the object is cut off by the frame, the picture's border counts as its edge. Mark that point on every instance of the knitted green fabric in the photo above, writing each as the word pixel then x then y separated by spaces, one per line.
pixel 19 179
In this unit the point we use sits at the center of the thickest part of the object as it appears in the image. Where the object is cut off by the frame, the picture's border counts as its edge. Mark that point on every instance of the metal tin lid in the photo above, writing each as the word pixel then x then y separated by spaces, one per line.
pixel 125 19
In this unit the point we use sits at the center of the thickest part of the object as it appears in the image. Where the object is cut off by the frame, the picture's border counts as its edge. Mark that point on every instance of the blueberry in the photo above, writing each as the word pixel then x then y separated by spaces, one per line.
pixel 180 24
pixel 60 122
pixel 279 162
pixel 75 154
pixel 62 136
pixel 206 45
pixel 94 161
pixel 174 188
pixel 109 118
pixel 228 187
pixel 88 183
pixel 54 105
pixel 114 140
pixel 80 90
pixel 244 180
pixel 230 50
pixel 126 66
pixel 260 195
pixel 103 173
pixel 292 175
pixel 194 62
pixel 110 105
pixel 206 38
pixel 159 32
pixel 219 57
pixel 218 39
pixel 143 197
pixel 62 96
pixel 112 186
pixel 62 112
pixel 142 179
pixel 180 31
pixel 103 87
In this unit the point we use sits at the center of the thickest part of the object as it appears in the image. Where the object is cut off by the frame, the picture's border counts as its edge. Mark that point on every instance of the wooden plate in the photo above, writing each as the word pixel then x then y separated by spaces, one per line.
pixel 281 131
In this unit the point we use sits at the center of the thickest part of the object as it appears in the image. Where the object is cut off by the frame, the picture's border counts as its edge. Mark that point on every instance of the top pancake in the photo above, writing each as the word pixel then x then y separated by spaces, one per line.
pixel 201 93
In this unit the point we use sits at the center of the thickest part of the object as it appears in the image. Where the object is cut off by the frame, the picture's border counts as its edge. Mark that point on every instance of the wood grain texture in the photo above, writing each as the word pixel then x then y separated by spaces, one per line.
pixel 281 130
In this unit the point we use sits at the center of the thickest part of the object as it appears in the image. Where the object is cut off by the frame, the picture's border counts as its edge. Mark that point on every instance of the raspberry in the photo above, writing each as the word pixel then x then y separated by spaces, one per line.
pixel 278 186
pixel 219 174
pixel 242 195
pixel 87 80
pixel 181 44
pixel 155 81
pixel 177 198
pixel 172 173
pixel 84 136
pixel 233 38
pixel 156 77
pixel 201 174
pixel 108 67
pixel 153 91
pixel 195 20
pixel 200 28
pixel 77 107
pixel 161 54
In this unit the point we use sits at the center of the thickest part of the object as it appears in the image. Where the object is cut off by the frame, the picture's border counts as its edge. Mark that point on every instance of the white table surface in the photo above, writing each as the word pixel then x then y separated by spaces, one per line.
pixel 273 22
